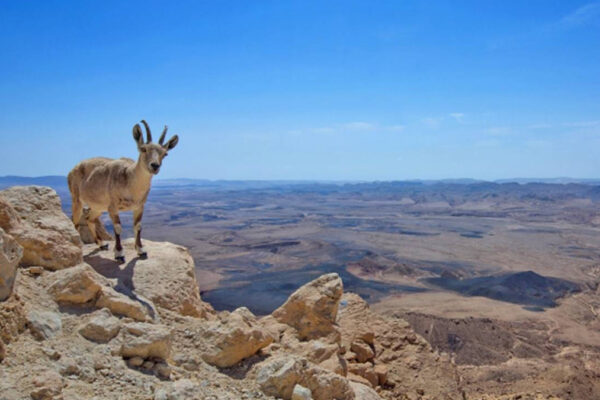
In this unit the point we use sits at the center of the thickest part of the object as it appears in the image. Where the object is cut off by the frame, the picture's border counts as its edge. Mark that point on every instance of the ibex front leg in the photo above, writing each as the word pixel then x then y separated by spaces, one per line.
pixel 114 216
pixel 137 228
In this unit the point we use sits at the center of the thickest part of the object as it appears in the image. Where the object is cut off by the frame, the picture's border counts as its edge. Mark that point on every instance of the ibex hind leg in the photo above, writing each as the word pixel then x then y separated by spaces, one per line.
pixel 93 216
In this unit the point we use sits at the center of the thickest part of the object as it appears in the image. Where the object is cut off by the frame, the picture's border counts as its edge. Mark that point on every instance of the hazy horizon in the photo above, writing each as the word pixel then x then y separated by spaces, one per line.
pixel 556 179
pixel 305 90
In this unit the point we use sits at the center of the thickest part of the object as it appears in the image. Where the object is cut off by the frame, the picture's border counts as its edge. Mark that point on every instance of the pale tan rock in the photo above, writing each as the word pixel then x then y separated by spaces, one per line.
pixel 301 393
pixel 366 371
pixel 182 389
pixel 363 351
pixel 312 309
pixel 46 234
pixel 279 375
pixel 400 350
pixel 135 361
pixel 382 373
pixel 357 378
pixel 119 304
pixel 12 321
pixel 363 392
pixel 47 384
pixel 9 219
pixel 76 285
pixel 167 277
pixel 82 284
pixel 146 340
pixel 234 338
pixel 44 324
pixel 101 327
pixel 163 370
pixel 10 255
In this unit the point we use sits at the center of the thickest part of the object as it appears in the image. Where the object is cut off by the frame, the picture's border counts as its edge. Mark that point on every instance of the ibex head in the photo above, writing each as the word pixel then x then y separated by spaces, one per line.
pixel 152 154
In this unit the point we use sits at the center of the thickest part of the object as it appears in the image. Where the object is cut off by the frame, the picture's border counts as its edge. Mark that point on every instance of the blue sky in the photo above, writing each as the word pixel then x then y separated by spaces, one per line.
pixel 343 90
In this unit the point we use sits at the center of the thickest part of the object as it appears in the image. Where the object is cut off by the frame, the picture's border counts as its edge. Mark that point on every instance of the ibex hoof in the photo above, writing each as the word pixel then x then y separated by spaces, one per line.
pixel 120 259
pixel 103 246
pixel 143 256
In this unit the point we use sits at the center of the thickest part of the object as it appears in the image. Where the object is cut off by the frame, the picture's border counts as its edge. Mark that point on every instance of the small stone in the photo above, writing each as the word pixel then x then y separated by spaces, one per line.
pixel 148 365
pixel 382 373
pixel 35 271
pixel 163 370
pixel 101 328
pixel 51 353
pixel 135 361
pixel 301 393
pixel 69 366
pixel 363 351
pixel 44 324
pixel 48 384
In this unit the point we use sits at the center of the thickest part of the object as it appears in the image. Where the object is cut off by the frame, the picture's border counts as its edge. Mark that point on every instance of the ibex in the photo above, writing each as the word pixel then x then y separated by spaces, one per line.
pixel 105 184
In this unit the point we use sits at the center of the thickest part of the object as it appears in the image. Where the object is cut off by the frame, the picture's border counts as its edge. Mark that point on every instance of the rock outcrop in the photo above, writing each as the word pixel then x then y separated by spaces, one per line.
pixel 312 309
pixel 33 216
pixel 382 352
pixel 83 285
pixel 10 255
pixel 101 327
pixel 44 324
pixel 279 375
pixel 233 338
pixel 166 278
pixel 146 341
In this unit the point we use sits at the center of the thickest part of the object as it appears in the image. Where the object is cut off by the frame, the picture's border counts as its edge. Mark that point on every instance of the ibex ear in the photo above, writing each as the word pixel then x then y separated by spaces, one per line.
pixel 137 135
pixel 172 142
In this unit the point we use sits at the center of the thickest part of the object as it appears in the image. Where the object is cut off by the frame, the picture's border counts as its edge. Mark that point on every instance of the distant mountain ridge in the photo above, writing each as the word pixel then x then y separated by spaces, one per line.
pixel 58 180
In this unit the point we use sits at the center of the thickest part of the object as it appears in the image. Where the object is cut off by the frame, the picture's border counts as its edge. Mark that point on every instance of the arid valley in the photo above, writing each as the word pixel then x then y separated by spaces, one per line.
pixel 502 277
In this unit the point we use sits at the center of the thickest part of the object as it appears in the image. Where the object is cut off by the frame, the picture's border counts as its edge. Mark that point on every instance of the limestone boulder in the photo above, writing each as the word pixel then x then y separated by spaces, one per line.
pixel 101 327
pixel 233 338
pixel 36 221
pixel 146 340
pixel 278 376
pixel 120 304
pixel 363 350
pixel 10 255
pixel 44 324
pixel 76 285
pixel 363 392
pixel 83 285
pixel 167 277
pixel 312 309
pixel 366 371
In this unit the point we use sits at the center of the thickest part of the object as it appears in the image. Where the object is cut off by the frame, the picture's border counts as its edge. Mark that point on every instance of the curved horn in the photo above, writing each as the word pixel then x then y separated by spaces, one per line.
pixel 162 135
pixel 148 134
